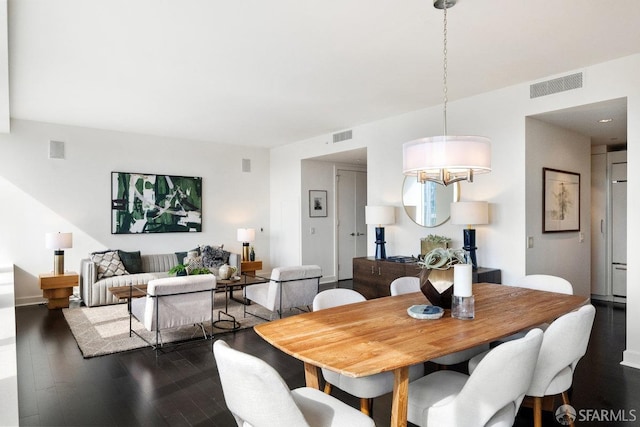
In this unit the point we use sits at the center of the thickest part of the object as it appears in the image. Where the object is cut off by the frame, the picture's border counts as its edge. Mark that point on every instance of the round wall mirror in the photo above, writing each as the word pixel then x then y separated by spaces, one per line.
pixel 428 204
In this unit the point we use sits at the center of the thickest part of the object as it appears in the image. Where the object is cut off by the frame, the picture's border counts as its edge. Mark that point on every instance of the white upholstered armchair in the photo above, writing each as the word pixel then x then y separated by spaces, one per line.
pixel 289 287
pixel 175 301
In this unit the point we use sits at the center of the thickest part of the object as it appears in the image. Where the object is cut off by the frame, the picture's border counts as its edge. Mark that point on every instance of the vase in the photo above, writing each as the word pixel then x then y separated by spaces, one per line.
pixel 226 271
pixel 252 255
pixel 437 286
pixel 426 246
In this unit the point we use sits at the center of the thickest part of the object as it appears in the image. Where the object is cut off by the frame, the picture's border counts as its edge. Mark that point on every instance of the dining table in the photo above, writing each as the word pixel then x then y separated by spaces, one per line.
pixel 378 335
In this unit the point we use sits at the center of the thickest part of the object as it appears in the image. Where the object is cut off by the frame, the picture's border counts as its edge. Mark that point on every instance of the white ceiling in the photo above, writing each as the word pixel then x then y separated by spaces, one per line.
pixel 266 73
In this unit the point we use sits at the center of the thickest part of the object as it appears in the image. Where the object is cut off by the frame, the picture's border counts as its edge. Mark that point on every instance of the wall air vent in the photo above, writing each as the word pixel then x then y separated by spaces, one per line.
pixel 342 136
pixel 561 84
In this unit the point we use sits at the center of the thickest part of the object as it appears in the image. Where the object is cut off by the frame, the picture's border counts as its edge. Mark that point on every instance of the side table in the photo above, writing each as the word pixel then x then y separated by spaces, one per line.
pixel 250 266
pixel 57 288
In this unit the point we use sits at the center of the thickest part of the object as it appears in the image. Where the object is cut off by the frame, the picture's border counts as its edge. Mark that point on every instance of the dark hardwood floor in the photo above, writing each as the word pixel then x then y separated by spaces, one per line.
pixel 57 387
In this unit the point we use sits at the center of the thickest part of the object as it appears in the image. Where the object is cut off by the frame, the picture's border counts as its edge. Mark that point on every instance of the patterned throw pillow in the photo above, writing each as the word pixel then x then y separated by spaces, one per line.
pixel 182 255
pixel 214 256
pixel 193 263
pixel 109 264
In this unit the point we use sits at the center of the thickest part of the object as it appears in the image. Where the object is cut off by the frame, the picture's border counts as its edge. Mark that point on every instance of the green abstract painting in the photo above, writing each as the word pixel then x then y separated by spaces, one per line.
pixel 146 203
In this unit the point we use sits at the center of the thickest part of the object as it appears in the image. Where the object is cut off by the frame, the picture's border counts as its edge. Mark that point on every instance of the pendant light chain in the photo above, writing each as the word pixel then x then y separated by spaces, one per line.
pixel 445 67
pixel 446 159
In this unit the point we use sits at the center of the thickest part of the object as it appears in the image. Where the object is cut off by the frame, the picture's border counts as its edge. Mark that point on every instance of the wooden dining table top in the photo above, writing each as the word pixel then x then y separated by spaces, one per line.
pixel 378 335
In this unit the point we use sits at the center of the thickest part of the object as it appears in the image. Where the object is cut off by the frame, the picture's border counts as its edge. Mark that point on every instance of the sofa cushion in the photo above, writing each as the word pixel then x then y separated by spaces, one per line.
pixel 109 264
pixel 132 261
pixel 214 256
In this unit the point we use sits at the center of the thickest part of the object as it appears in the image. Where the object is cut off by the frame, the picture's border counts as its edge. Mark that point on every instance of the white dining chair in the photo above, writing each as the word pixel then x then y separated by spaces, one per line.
pixel 490 396
pixel 408 284
pixel 539 282
pixel 564 343
pixel 257 396
pixel 545 282
pixel 405 285
pixel 364 388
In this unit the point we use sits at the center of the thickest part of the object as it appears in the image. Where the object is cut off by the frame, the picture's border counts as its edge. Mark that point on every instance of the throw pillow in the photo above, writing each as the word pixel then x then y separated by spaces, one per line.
pixel 214 256
pixel 109 264
pixel 132 261
pixel 193 263
pixel 182 255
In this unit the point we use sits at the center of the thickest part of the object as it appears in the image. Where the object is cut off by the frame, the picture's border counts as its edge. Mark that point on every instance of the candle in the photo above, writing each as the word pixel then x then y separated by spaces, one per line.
pixel 462 280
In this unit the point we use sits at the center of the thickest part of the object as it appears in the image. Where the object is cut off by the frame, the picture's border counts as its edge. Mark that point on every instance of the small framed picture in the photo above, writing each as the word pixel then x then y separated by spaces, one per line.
pixel 561 201
pixel 317 203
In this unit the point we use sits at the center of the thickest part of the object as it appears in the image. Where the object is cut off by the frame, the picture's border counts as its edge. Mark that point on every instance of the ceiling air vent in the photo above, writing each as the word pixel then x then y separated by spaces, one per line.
pixel 572 81
pixel 342 136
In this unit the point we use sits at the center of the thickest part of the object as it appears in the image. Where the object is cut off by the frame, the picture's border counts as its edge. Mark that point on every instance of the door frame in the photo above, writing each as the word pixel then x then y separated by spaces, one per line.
pixel 336 250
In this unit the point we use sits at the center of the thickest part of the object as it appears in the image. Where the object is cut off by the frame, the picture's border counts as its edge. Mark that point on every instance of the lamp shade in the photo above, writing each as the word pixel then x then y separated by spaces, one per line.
pixel 468 213
pixel 379 215
pixel 459 156
pixel 58 240
pixel 246 234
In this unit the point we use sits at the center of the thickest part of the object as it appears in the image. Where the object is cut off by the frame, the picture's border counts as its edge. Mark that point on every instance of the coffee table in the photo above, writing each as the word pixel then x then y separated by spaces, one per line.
pixel 128 292
pixel 228 286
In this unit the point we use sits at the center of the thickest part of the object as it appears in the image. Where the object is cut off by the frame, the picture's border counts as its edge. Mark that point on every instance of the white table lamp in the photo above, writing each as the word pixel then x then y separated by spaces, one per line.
pixel 470 213
pixel 379 216
pixel 246 235
pixel 58 242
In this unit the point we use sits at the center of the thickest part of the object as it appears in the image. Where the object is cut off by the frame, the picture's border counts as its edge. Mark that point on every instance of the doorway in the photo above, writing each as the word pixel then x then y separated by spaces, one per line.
pixel 351 229
pixel 320 236
pixel 605 125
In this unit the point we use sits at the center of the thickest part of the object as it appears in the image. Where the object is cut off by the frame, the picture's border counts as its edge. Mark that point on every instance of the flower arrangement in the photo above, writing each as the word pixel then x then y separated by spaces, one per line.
pixel 434 238
pixel 436 276
pixel 442 259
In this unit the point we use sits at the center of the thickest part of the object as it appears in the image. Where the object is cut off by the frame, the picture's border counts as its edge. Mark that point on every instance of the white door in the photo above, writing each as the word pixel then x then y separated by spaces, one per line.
pixel 599 226
pixel 619 229
pixel 351 229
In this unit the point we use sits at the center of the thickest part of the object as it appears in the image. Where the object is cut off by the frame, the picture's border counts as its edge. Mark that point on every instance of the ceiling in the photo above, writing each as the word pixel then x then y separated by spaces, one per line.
pixel 586 119
pixel 267 73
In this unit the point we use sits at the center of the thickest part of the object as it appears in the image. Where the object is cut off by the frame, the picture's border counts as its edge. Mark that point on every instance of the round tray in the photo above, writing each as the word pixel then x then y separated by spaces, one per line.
pixel 425 311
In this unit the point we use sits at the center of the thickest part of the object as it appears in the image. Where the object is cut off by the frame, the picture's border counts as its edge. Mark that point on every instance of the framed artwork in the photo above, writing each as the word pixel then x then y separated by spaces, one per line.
pixel 317 203
pixel 561 201
pixel 148 203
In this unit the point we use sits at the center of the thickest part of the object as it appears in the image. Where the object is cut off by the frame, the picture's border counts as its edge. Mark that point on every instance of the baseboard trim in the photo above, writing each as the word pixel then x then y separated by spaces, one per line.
pixel 631 359
pixel 23 301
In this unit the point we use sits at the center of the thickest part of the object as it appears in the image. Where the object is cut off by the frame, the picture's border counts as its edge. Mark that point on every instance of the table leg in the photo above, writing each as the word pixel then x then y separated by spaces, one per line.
pixel 312 375
pixel 400 399
pixel 234 323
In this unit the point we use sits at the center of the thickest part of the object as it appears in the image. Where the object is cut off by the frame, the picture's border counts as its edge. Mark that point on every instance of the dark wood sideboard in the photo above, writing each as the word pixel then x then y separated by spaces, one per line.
pixel 372 277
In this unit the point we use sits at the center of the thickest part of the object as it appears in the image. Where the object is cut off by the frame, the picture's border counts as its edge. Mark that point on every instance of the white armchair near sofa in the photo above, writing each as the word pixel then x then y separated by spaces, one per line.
pixel 175 301
pixel 289 287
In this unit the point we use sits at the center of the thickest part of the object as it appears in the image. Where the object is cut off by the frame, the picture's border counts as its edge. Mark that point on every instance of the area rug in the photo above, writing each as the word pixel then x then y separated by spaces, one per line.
pixel 105 329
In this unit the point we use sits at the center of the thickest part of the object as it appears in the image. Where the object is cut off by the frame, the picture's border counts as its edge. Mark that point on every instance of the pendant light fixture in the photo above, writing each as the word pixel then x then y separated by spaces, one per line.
pixel 446 159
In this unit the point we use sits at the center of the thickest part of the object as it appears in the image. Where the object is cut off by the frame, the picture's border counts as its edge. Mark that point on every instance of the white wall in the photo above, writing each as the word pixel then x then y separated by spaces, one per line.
pixel 501 116
pixel 8 356
pixel 4 69
pixel 73 194
pixel 558 254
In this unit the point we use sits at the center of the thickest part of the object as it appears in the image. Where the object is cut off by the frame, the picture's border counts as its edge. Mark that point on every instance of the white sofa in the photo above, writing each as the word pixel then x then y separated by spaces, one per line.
pixel 95 292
